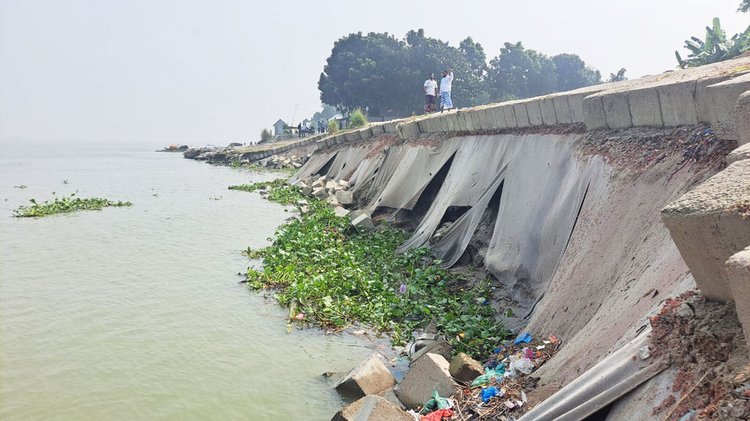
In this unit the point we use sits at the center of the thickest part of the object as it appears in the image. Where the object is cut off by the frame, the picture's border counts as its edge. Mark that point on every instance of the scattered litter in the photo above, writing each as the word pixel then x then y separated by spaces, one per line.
pixel 437 415
pixel 490 392
pixel 522 338
pixel 436 402
pixel 512 364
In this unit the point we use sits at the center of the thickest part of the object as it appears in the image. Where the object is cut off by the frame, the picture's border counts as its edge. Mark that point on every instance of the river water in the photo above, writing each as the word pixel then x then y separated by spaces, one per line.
pixel 136 313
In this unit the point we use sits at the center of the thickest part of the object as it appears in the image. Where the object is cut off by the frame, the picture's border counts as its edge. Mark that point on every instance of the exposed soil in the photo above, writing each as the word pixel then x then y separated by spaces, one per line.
pixel 704 340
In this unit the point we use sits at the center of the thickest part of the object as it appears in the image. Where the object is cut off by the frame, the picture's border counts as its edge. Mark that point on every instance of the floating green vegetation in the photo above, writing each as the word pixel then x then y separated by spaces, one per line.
pixel 332 275
pixel 278 191
pixel 65 204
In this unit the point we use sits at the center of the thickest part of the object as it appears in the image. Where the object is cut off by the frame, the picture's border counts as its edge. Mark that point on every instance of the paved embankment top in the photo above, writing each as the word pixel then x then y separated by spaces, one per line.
pixel 716 94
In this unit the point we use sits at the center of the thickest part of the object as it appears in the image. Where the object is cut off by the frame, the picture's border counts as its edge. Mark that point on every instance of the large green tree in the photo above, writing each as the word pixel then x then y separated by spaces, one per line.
pixel 520 73
pixel 367 71
pixel 744 6
pixel 572 72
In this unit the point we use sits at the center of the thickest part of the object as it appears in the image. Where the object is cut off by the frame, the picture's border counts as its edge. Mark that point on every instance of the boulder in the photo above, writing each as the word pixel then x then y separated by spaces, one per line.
pixel 339 211
pixel 344 184
pixel 426 375
pixel 465 368
pixel 372 408
pixel 388 395
pixel 363 222
pixel 318 183
pixel 344 197
pixel 319 192
pixel 297 165
pixel 307 191
pixel 440 346
pixel 331 184
pixel 332 200
pixel 371 376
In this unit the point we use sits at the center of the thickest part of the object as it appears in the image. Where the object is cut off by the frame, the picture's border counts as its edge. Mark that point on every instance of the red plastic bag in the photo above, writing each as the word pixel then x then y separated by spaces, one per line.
pixel 437 415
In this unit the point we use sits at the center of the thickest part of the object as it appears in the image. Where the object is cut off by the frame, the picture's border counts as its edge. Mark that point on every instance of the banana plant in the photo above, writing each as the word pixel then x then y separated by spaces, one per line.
pixel 715 48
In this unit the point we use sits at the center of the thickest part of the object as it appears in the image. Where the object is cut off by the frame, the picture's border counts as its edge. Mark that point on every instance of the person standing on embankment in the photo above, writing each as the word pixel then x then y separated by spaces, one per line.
pixel 445 90
pixel 430 92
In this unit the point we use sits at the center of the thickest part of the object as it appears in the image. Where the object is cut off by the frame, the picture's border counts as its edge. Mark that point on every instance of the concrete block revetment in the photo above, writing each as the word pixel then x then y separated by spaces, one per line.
pixel 534 110
pixel 593 113
pixel 510 116
pixel 709 224
pixel 372 408
pixel 429 373
pixel 644 108
pixel 522 116
pixel 742 119
pixel 677 103
pixel 738 267
pixel 562 109
pixel 371 376
pixel 499 117
pixel 548 111
pixel 617 111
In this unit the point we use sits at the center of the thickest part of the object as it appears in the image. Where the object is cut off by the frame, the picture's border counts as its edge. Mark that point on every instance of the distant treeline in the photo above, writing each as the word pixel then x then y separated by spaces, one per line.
pixel 385 74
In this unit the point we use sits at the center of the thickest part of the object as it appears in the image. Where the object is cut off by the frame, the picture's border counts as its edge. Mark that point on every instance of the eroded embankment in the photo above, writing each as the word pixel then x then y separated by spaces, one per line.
pixel 566 223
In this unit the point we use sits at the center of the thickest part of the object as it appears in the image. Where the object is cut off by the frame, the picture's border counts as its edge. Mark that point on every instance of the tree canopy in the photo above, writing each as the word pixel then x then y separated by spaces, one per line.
pixel 715 47
pixel 386 74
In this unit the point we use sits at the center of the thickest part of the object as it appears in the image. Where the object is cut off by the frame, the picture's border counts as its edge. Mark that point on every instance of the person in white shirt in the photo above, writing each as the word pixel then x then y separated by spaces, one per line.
pixel 445 90
pixel 430 92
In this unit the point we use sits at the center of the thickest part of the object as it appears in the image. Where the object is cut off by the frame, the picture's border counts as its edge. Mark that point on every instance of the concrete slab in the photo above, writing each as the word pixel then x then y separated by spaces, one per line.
pixel 738 267
pixel 739 154
pixel 475 122
pixel 617 111
pixel 562 109
pixel 369 377
pixel 408 130
pixel 377 129
pixel 644 108
pixel 500 117
pixel 468 121
pixel 709 224
pixel 722 100
pixel 352 136
pixel 522 116
pixel 575 102
pixel 678 104
pixel 534 110
pixel 372 408
pixel 510 116
pixel 548 111
pixel 742 118
pixel 489 118
pixel 428 374
pixel 593 113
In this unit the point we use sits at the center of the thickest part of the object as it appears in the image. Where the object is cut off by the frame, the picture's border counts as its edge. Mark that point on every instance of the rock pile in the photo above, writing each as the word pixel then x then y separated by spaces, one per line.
pixel 338 195
pixel 283 162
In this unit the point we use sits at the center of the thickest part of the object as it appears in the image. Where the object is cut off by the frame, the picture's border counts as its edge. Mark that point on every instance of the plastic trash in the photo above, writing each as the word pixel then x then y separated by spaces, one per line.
pixel 490 374
pixel 490 392
pixel 528 353
pixel 522 338
pixel 437 415
pixel 520 366
pixel 436 402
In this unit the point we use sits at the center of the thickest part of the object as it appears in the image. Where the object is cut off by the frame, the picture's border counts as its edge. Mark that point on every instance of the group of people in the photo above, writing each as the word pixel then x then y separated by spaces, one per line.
pixel 432 91
pixel 303 129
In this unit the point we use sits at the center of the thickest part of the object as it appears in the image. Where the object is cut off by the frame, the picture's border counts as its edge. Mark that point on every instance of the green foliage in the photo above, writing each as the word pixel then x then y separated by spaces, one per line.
pixel 572 73
pixel 331 275
pixel 715 47
pixel 65 204
pixel 385 74
pixel 744 6
pixel 278 190
pixel 618 77
pixel 357 118
pixel 265 135
pixel 333 126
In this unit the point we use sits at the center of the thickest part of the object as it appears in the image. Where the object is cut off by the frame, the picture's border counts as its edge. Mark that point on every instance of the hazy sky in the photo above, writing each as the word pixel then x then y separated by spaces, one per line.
pixel 200 72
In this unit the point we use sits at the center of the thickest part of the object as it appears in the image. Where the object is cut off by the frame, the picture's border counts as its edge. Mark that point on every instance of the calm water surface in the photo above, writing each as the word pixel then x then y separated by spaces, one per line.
pixel 136 313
